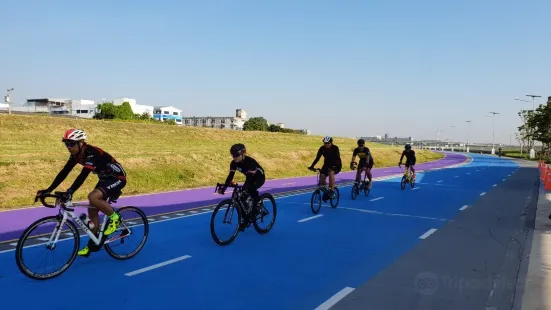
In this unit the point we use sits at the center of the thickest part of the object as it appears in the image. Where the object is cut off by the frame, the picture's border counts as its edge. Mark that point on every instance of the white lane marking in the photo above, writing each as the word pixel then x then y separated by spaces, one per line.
pixel 494 185
pixel 440 181
pixel 192 211
pixel 455 177
pixel 13 244
pixel 335 298
pixel 310 218
pixel 503 180
pixel 468 173
pixel 378 198
pixel 416 188
pixel 428 233
pixel 165 217
pixel 393 214
pixel 168 262
pixel 463 208
pixel 482 194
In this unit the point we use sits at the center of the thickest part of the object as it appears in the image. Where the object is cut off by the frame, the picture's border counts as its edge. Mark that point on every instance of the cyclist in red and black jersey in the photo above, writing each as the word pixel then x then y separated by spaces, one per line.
pixel 112 178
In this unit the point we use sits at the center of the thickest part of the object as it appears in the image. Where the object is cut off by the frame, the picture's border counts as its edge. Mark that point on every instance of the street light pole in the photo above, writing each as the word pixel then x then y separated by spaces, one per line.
pixel 532 151
pixel 468 133
pixel 493 131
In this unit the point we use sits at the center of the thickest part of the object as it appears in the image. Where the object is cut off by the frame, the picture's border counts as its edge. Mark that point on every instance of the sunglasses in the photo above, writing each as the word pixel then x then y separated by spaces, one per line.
pixel 70 143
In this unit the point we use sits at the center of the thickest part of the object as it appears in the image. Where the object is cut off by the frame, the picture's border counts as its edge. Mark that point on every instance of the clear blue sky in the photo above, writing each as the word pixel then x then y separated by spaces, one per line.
pixel 337 67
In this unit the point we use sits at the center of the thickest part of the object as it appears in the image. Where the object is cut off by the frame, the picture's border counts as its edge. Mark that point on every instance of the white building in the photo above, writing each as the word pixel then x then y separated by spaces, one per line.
pixel 136 108
pixel 59 106
pixel 163 113
pixel 221 122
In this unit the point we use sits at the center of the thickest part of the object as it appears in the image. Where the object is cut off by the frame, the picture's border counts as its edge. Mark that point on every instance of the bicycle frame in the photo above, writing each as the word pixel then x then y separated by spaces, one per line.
pixel 67 211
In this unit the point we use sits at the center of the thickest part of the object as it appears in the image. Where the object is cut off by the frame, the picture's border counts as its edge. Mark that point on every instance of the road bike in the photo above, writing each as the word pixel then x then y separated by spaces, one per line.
pixel 242 204
pixel 66 213
pixel 407 178
pixel 320 191
pixel 362 186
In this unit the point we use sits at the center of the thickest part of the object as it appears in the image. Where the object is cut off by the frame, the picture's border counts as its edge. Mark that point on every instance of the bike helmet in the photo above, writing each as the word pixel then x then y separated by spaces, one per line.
pixel 74 135
pixel 237 149
pixel 327 139
pixel 361 141
pixel 408 146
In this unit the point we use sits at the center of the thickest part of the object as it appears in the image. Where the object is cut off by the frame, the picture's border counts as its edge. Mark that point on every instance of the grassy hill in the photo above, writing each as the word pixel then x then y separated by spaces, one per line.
pixel 156 157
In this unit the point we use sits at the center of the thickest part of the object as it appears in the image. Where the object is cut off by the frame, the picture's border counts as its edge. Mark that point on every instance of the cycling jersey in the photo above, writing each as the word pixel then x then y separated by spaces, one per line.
pixel 93 159
pixel 248 167
pixel 364 155
pixel 331 156
pixel 410 156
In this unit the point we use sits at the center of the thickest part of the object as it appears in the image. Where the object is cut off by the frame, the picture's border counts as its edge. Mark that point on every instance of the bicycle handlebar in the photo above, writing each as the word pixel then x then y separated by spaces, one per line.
pixel 220 185
pixel 56 195
pixel 314 169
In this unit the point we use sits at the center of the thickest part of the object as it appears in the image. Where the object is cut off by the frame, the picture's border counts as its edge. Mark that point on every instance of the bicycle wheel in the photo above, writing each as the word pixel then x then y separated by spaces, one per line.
pixel 354 191
pixel 366 189
pixel 403 182
pixel 129 221
pixel 315 201
pixel 41 242
pixel 267 200
pixel 335 201
pixel 412 182
pixel 229 209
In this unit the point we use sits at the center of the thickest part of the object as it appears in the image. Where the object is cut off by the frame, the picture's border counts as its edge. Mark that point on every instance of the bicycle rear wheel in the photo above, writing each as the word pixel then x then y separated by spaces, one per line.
pixel 267 201
pixel 131 217
pixel 228 209
pixel 41 242
pixel 315 201
pixel 366 188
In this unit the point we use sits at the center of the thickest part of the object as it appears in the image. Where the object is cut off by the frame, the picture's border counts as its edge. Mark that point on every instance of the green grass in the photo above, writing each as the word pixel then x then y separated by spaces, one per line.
pixel 156 157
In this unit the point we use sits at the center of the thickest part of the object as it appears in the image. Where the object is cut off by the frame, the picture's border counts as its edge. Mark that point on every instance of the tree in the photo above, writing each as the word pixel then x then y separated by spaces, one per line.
pixel 274 128
pixel 256 124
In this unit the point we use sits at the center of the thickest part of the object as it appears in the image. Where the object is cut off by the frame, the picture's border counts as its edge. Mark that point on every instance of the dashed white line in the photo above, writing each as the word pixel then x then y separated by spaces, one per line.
pixel 415 189
pixel 378 198
pixel 494 185
pixel 455 177
pixel 165 217
pixel 428 233
pixel 468 173
pixel 335 298
pixel 168 262
pixel 192 211
pixel 310 218
pixel 483 193
pixel 463 208
pixel 503 180
pixel 440 181
pixel 13 244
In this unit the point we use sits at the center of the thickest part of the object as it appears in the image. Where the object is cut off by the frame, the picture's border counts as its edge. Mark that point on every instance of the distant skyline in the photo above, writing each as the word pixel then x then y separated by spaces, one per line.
pixel 348 68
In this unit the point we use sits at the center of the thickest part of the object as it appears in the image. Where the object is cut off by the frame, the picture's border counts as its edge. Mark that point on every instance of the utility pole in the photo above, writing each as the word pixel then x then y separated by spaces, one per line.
pixel 493 131
pixel 468 133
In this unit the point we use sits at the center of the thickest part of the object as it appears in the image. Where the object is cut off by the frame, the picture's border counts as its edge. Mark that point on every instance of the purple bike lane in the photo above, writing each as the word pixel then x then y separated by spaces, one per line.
pixel 13 222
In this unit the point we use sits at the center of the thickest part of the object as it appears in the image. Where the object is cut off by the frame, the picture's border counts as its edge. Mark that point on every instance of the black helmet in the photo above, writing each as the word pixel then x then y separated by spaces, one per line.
pixel 361 141
pixel 237 149
pixel 408 146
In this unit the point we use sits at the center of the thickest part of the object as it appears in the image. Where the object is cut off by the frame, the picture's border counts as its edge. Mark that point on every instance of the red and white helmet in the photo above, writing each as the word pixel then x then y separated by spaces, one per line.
pixel 74 135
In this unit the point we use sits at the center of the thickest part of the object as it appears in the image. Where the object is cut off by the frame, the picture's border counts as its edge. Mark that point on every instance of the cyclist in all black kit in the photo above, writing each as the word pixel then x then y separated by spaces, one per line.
pixel 112 178
pixel 366 161
pixel 254 175
pixel 332 164
pixel 410 158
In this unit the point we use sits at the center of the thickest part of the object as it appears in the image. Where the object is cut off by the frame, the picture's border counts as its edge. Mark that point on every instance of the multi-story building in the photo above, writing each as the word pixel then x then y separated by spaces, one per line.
pixel 59 106
pixel 164 113
pixel 225 122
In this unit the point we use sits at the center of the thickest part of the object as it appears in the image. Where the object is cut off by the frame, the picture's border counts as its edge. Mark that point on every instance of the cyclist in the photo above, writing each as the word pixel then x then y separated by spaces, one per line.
pixel 410 158
pixel 112 178
pixel 254 175
pixel 366 161
pixel 332 164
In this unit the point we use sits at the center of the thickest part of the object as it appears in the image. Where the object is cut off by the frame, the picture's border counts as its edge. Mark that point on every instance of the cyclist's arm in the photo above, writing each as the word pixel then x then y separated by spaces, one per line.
pixel 80 179
pixel 318 156
pixel 338 161
pixel 402 157
pixel 354 154
pixel 62 174
pixel 233 167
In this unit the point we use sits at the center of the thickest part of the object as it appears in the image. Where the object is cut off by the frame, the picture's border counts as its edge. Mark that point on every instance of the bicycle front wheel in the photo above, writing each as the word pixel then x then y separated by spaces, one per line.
pixel 315 201
pixel 228 210
pixel 39 242
pixel 354 191
pixel 335 201
pixel 134 226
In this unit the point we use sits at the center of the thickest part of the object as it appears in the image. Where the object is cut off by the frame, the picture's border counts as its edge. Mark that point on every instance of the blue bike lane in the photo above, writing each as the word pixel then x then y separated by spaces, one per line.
pixel 301 263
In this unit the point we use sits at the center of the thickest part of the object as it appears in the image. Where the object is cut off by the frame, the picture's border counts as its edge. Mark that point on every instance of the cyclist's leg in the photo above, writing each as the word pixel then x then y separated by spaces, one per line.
pixel 332 173
pixel 359 173
pixel 98 198
pixel 324 172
